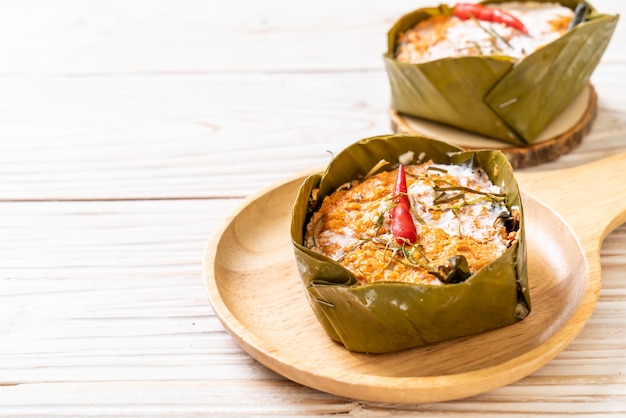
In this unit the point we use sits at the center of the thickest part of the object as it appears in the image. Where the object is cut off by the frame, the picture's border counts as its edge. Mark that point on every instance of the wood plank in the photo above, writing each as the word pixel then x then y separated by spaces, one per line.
pixel 161 136
pixel 87 37
pixel 282 398
pixel 167 137
pixel 74 37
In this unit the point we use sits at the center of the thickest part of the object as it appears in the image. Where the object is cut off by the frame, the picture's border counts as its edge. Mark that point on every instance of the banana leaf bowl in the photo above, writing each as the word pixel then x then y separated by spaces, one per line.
pixel 382 317
pixel 508 99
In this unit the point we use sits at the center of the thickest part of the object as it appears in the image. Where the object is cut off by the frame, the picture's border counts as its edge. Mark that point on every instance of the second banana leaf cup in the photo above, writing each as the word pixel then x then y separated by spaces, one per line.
pixel 500 97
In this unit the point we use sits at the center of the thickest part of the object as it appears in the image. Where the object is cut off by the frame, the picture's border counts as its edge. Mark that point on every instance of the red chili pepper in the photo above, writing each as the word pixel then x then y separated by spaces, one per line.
pixel 402 225
pixel 490 14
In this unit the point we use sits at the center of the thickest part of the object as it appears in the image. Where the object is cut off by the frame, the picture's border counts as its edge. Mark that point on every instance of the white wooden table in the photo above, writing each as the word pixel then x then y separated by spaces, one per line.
pixel 129 130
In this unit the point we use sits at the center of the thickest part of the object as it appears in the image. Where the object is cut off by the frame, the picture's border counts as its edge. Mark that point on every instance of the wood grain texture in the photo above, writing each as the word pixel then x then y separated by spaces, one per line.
pixel 130 130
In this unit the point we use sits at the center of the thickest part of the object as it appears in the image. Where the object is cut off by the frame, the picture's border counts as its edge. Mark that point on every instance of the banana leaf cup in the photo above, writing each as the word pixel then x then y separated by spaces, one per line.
pixel 501 97
pixel 382 317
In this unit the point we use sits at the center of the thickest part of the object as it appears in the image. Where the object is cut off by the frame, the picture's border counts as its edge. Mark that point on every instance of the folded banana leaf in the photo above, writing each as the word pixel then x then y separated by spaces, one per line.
pixel 508 99
pixel 387 316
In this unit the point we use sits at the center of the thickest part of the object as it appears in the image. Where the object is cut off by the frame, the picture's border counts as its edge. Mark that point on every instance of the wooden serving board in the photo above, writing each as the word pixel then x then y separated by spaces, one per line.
pixel 255 289
pixel 563 135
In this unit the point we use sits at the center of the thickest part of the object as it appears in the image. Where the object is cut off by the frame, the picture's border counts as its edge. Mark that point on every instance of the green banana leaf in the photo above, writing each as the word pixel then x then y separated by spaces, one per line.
pixel 386 316
pixel 499 97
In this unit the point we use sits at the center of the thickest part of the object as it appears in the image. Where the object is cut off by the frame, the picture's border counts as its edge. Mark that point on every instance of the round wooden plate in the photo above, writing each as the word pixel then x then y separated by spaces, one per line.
pixel 254 287
pixel 563 135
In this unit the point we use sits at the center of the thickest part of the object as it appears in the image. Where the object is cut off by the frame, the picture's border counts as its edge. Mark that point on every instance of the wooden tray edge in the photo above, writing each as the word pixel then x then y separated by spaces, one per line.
pixel 535 154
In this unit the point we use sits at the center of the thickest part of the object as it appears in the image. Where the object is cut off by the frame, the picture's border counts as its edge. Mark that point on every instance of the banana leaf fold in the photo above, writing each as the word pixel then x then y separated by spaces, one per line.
pixel 383 317
pixel 501 97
